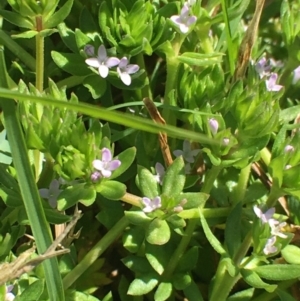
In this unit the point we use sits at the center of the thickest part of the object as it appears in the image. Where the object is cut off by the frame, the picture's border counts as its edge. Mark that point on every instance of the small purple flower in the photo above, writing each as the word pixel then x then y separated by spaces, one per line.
pixel 106 165
pixel 9 296
pixel 269 247
pixel 264 217
pixel 160 172
pixel 213 125
pixel 263 67
pixel 271 83
pixel 187 153
pixel 289 149
pixel 124 70
pixel 151 205
pixel 184 20
pixel 52 193
pixel 102 62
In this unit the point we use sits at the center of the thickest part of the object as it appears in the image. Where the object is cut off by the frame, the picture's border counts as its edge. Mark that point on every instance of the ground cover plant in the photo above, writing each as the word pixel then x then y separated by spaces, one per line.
pixel 149 150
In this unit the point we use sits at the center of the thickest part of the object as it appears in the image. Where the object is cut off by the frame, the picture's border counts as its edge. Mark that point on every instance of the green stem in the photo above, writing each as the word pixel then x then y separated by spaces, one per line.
pixel 265 156
pixel 30 195
pixel 146 90
pixel 95 252
pixel 207 186
pixel 131 199
pixel 39 42
pixel 240 190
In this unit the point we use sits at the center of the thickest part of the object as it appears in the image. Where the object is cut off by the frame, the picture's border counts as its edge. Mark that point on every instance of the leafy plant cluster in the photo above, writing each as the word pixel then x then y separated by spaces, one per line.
pixel 183 164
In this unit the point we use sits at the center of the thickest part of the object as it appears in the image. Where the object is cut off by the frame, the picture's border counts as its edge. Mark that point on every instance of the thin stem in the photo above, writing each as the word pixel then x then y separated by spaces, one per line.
pixel 207 186
pixel 146 90
pixel 39 43
pixel 95 252
pixel 131 199
pixel 240 190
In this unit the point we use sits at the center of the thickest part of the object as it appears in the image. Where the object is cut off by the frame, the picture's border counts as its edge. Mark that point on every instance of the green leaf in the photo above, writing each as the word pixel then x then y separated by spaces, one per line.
pixel 158 232
pixel 255 281
pixel 74 194
pixel 193 293
pixel 59 16
pixel 174 179
pixel 163 291
pixel 111 190
pixel 147 183
pixel 32 292
pixel 215 243
pixel 143 284
pixel 17 19
pixel 233 228
pixel 137 264
pixel 291 254
pixel 55 217
pixel 200 59
pixel 68 37
pixel 95 84
pixel 126 158
pixel 188 261
pixel 181 281
pixel 133 239
pixel 278 272
pixel 284 296
pixel 71 63
pixel 138 218
pixel 194 199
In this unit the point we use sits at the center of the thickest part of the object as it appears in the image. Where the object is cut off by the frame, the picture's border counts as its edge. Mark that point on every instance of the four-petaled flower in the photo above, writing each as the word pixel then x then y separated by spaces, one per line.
pixel 106 165
pixel 52 193
pixel 102 61
pixel 124 70
pixel 9 296
pixel 184 20
pixel 187 153
pixel 277 227
pixel 271 83
pixel 160 172
pixel 151 205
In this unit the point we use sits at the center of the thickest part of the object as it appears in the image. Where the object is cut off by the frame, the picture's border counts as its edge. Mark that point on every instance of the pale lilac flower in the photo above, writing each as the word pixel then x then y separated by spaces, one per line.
pixel 271 83
pixel 9 296
pixel 160 172
pixel 124 70
pixel 184 20
pixel 52 193
pixel 102 61
pixel 89 50
pixel 296 75
pixel 289 149
pixel 263 67
pixel 187 153
pixel 277 228
pixel 264 217
pixel 151 205
pixel 213 125
pixel 269 247
pixel 106 165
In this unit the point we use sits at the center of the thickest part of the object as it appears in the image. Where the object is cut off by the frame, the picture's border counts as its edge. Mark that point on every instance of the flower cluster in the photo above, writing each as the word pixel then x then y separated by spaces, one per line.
pixel 105 166
pixel 188 155
pixel 104 63
pixel 184 20
pixel 275 226
pixel 263 68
